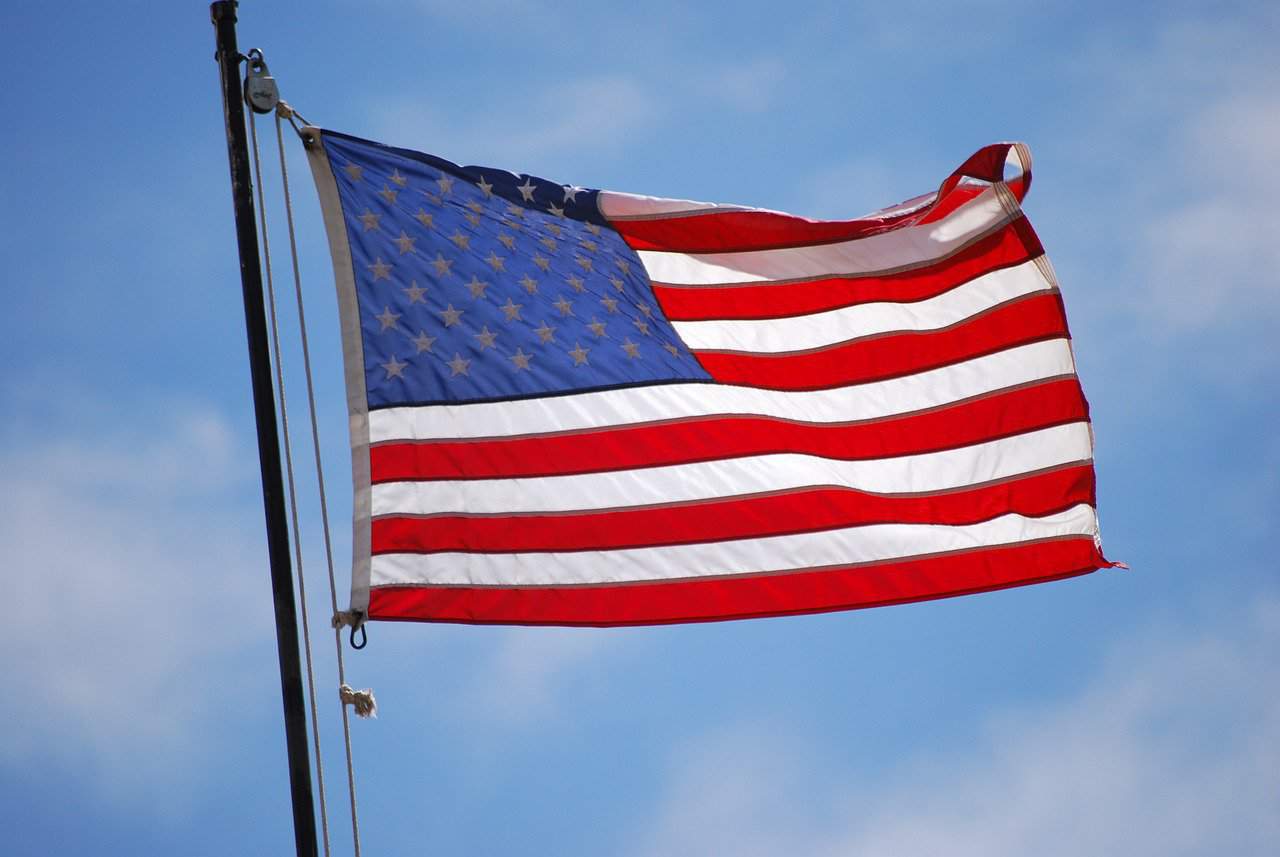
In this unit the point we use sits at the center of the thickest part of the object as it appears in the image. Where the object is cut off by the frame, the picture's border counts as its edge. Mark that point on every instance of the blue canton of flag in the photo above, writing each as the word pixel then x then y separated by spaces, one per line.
pixel 477 284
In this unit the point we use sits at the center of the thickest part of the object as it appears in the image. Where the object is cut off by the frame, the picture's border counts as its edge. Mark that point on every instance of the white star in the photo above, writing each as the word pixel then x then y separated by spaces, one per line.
pixel 423 342
pixel 558 212
pixel 570 192
pixel 395 369
pixel 511 309
pixel 441 264
pixel 521 359
pixel 388 318
pixel 527 189
pixel 450 315
pixel 485 188
pixel 458 365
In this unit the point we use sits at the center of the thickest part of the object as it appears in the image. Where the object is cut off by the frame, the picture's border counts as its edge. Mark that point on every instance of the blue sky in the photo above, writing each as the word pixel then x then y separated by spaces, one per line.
pixel 1125 712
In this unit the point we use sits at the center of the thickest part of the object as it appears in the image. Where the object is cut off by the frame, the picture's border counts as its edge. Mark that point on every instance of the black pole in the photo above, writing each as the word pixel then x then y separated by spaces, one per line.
pixel 228 57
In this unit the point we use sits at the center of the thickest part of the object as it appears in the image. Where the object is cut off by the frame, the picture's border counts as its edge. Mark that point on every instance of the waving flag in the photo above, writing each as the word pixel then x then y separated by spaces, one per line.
pixel 581 407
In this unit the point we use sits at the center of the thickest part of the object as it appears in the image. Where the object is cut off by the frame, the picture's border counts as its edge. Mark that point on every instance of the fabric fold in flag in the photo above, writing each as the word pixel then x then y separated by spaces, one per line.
pixel 572 406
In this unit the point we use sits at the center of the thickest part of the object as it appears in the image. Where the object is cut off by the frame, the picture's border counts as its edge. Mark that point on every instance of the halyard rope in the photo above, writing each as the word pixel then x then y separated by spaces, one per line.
pixel 293 496
pixel 357 698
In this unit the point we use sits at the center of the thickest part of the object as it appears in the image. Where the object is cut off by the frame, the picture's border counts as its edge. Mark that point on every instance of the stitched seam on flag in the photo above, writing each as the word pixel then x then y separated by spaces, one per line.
pixel 1007 199
pixel 679 504
pixel 552 394
pixel 613 428
pixel 745 574
pixel 1046 269
pixel 766 534
pixel 354 368
pixel 885 334
pixel 1003 223
pixel 784 450
pixel 690 212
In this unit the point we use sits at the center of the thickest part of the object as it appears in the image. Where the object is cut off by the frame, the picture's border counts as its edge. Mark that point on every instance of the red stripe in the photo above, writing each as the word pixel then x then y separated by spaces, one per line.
pixel 704 439
pixel 1018 322
pixel 801 511
pixel 1011 245
pixel 840 588
pixel 735 230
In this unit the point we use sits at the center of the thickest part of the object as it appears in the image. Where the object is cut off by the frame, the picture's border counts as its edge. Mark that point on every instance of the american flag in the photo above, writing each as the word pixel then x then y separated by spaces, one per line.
pixel 582 407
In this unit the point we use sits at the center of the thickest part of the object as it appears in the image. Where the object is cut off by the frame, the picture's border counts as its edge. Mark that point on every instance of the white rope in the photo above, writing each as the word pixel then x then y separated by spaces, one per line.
pixel 293 496
pixel 357 699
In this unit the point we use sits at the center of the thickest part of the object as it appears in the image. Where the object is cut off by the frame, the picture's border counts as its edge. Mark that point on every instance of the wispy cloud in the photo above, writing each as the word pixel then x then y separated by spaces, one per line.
pixel 131 590
pixel 1172 749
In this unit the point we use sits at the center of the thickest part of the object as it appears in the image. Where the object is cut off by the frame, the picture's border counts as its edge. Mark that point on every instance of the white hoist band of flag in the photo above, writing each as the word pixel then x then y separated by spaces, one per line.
pixel 582 407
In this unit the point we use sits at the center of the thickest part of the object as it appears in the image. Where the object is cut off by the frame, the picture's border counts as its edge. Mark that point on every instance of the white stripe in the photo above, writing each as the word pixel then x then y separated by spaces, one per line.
pixel 888 250
pixel 872 400
pixel 615 205
pixel 827 328
pixel 708 480
pixel 873 543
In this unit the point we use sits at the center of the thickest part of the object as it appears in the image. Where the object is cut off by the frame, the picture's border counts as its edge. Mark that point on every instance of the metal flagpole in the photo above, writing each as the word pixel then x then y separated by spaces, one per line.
pixel 223 14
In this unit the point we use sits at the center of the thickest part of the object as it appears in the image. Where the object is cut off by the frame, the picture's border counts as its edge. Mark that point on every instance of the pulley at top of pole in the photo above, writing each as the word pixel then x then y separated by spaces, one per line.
pixel 260 90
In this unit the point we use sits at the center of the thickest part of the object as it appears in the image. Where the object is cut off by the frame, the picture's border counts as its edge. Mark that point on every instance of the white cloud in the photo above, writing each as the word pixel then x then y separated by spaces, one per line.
pixel 1212 255
pixel 750 85
pixel 133 590
pixel 518 129
pixel 521 681
pixel 1172 749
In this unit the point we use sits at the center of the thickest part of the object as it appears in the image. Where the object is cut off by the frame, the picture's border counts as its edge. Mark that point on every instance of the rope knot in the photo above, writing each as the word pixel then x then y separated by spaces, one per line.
pixel 361 700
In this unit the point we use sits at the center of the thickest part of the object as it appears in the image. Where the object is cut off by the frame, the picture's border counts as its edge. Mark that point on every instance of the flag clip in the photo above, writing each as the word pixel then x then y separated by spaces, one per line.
pixel 355 620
